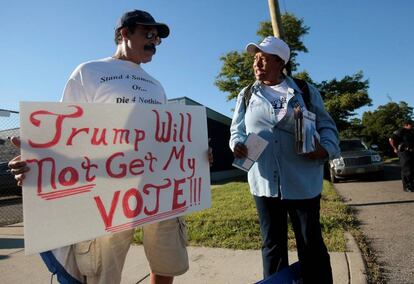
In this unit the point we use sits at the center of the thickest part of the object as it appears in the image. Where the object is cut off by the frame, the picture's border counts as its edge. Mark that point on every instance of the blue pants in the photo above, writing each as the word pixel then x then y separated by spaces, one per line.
pixel 304 215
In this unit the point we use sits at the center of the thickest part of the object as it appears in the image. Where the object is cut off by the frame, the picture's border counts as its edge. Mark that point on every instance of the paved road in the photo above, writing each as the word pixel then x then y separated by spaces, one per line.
pixel 386 214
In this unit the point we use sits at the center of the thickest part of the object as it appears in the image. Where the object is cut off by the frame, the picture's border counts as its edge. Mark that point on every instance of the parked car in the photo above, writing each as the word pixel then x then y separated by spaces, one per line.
pixel 356 160
pixel 8 185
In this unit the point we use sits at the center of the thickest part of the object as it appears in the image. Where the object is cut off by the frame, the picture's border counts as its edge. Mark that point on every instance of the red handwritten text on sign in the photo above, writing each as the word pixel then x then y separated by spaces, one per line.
pixel 57 180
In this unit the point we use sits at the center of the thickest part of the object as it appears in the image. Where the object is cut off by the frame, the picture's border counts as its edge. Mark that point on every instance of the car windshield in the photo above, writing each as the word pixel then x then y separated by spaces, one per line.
pixel 351 145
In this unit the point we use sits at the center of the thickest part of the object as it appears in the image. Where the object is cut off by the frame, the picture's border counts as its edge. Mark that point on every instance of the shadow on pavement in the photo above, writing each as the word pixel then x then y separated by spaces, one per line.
pixel 392 172
pixel 381 203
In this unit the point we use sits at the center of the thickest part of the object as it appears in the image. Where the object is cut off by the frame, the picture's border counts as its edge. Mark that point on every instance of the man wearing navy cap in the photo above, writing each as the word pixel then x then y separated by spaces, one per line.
pixel 119 79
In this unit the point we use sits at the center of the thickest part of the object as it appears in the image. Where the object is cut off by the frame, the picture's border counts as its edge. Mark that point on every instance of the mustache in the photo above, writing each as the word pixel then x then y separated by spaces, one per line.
pixel 150 47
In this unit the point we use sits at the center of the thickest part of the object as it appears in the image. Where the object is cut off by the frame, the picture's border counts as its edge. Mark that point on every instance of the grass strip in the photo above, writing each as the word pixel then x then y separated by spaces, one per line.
pixel 232 220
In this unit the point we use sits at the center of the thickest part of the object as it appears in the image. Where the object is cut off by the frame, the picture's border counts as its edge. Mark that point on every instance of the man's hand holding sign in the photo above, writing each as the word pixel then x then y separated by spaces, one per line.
pixel 93 173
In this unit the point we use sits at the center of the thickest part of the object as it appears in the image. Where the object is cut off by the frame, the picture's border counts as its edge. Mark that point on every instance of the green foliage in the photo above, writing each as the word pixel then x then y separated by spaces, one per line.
pixel 335 218
pixel 343 97
pixel 353 130
pixel 379 125
pixel 304 75
pixel 236 73
pixel 293 30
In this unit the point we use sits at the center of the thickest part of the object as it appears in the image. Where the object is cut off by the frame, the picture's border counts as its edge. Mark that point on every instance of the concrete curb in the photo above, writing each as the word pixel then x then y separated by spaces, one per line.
pixel 218 265
pixel 207 265
pixel 356 264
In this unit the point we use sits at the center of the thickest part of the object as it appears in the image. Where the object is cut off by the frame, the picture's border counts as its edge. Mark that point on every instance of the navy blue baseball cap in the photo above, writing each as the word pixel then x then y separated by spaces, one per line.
pixel 143 18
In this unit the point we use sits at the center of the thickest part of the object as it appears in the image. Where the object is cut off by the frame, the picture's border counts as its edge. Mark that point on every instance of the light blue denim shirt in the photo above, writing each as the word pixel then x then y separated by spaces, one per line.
pixel 279 166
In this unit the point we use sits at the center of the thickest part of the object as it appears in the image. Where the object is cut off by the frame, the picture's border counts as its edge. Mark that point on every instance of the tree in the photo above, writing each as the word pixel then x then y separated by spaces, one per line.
pixel 304 75
pixel 353 130
pixel 237 71
pixel 343 97
pixel 379 125
pixel 294 29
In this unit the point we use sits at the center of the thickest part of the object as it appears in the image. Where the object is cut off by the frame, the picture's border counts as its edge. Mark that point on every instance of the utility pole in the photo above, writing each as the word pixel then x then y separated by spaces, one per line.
pixel 276 19
pixel 277 27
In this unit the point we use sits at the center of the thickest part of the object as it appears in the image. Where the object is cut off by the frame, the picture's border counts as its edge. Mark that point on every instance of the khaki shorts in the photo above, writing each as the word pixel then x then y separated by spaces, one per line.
pixel 101 260
pixel 165 247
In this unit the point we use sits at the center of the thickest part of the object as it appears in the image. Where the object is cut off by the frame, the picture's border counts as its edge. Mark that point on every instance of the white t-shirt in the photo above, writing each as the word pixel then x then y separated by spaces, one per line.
pixel 277 96
pixel 107 80
pixel 111 80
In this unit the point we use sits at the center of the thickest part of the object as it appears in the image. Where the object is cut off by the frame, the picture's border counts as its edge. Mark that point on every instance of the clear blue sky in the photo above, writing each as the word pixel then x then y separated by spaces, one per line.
pixel 44 40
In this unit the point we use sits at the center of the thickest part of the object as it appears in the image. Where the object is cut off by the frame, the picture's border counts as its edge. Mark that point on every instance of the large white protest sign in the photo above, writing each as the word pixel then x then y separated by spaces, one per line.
pixel 96 169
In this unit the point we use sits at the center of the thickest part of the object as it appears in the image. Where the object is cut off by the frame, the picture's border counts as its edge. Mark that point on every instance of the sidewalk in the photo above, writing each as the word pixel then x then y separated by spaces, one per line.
pixel 207 265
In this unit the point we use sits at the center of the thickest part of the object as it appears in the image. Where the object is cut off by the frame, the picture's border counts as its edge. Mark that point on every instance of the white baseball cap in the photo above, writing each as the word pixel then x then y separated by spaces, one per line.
pixel 271 45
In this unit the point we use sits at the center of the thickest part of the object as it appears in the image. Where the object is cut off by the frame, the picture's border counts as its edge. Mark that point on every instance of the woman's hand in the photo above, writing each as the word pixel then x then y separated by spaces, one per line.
pixel 240 151
pixel 319 153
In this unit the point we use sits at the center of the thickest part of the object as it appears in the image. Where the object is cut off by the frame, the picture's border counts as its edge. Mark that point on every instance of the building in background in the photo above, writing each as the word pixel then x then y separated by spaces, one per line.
pixel 218 127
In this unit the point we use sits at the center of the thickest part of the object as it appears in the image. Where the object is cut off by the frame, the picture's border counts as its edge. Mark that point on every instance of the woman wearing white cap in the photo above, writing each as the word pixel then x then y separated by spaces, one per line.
pixel 282 181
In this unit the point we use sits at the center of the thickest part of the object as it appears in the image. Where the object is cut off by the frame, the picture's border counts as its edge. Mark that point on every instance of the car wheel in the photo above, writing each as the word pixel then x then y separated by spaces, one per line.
pixel 332 176
pixel 380 176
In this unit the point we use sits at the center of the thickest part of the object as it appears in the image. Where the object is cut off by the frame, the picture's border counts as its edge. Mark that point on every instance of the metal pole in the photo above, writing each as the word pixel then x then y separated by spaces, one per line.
pixel 275 18
pixel 277 27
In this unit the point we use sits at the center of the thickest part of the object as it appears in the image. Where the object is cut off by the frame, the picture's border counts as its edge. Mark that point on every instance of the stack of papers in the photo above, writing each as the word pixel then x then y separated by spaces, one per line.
pixel 255 146
pixel 305 131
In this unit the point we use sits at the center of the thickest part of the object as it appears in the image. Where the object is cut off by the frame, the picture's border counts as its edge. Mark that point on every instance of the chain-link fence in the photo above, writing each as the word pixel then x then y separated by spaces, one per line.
pixel 10 193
